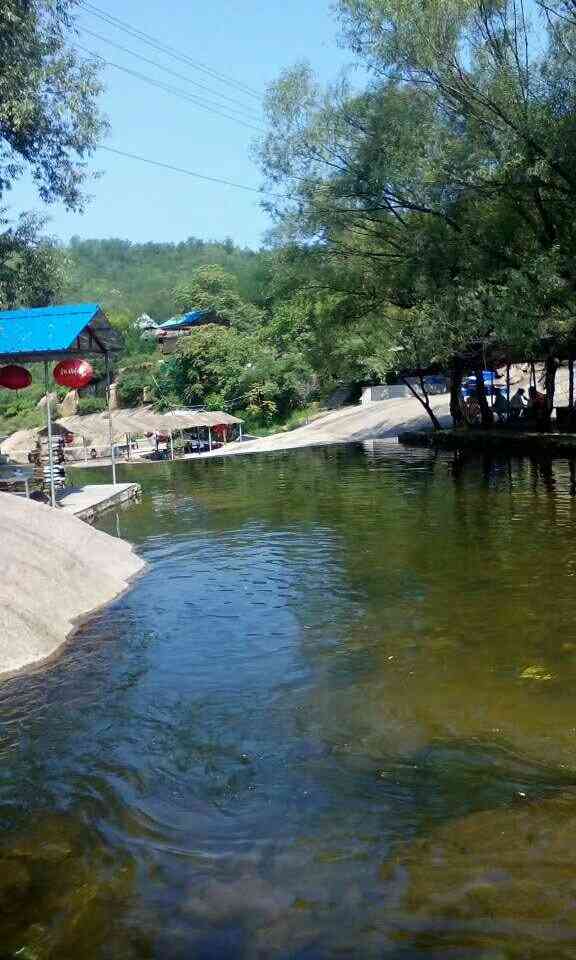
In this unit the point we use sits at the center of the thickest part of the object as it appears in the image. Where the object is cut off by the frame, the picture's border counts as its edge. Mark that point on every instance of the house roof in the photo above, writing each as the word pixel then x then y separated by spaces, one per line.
pixel 193 319
pixel 48 333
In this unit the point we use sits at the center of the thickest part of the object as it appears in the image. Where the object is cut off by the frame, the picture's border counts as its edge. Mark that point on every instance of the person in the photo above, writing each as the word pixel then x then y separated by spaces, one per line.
pixel 536 401
pixel 472 411
pixel 500 405
pixel 517 404
pixel 537 405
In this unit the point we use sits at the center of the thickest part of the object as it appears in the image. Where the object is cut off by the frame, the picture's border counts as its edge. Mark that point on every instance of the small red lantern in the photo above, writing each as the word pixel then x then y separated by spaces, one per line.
pixel 15 378
pixel 73 373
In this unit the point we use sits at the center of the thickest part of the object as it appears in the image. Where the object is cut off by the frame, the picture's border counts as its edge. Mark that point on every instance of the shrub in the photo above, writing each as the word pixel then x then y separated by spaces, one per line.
pixel 91 405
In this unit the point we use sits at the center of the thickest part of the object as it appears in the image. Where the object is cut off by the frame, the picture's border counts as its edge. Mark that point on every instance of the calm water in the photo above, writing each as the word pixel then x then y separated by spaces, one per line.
pixel 338 662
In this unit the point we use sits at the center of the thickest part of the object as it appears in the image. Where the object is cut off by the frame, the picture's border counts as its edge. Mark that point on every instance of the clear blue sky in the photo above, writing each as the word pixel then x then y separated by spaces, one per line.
pixel 249 40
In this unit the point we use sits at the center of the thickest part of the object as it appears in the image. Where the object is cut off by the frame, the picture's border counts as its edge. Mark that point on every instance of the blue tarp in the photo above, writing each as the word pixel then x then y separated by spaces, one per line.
pixel 193 319
pixel 49 330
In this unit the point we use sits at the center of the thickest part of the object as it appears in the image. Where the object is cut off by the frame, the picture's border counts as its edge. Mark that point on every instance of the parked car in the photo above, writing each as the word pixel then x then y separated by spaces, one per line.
pixel 469 385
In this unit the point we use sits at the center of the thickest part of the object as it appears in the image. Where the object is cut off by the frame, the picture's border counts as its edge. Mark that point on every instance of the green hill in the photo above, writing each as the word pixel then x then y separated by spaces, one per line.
pixel 134 278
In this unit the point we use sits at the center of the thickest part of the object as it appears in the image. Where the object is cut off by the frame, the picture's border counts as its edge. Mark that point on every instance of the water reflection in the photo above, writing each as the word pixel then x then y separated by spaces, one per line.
pixel 334 656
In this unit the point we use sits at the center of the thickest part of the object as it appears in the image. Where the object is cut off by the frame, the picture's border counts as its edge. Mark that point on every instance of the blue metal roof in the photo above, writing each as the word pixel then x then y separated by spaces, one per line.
pixel 193 319
pixel 48 331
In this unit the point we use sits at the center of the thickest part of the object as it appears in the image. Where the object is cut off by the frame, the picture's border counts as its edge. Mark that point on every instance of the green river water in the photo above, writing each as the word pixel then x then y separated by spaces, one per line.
pixel 336 717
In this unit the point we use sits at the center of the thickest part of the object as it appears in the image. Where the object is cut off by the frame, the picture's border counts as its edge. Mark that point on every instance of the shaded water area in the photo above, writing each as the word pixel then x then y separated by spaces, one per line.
pixel 335 717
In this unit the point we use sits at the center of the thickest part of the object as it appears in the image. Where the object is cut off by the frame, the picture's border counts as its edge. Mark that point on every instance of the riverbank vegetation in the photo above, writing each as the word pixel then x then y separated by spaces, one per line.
pixel 427 207
pixel 439 200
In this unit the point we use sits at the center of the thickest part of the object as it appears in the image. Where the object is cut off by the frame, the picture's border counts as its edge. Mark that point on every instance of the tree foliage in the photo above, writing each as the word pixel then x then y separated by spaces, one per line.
pixel 441 198
pixel 212 288
pixel 133 278
pixel 49 120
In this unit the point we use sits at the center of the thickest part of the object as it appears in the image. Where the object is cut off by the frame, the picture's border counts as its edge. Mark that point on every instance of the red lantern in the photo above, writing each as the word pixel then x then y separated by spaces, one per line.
pixel 73 373
pixel 15 378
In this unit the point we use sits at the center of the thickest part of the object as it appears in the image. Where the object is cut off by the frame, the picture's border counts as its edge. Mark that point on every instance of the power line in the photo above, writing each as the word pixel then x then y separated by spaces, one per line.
pixel 180 76
pixel 175 91
pixel 167 49
pixel 188 173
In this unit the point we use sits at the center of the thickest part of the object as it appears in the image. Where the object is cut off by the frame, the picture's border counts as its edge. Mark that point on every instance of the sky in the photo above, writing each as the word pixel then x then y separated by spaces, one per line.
pixel 249 41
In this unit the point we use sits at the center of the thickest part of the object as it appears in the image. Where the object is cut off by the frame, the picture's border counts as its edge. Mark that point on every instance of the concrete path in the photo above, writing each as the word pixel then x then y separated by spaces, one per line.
pixel 350 424
pixel 90 501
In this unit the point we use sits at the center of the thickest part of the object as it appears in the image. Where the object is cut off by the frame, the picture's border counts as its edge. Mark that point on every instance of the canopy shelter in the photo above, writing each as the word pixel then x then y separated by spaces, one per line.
pixel 47 334
pixel 142 420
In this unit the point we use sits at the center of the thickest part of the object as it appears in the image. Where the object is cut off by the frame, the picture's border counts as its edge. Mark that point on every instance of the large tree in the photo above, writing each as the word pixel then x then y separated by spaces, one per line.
pixel 49 119
pixel 446 189
pixel 49 126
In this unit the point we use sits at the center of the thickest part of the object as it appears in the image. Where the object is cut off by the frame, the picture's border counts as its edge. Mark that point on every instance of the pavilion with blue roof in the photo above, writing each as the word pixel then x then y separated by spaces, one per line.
pixel 47 334
pixel 53 333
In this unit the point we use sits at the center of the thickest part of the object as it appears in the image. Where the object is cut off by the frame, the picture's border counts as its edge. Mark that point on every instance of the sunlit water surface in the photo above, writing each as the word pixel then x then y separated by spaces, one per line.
pixel 332 656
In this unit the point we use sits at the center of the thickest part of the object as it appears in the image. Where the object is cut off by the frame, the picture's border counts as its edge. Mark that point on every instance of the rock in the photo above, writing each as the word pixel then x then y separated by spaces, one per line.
pixel 55 405
pixel 70 403
pixel 497 880
pixel 51 840
pixel 114 404
pixel 62 891
pixel 14 884
pixel 54 555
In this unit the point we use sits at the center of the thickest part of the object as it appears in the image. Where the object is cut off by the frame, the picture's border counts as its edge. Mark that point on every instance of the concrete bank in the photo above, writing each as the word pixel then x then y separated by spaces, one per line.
pixel 379 421
pixel 90 502
pixel 55 570
pixel 497 441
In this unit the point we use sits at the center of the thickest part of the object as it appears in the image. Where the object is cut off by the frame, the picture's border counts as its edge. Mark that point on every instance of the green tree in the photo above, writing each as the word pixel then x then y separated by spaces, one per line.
pixel 212 288
pixel 32 269
pixel 446 189
pixel 49 120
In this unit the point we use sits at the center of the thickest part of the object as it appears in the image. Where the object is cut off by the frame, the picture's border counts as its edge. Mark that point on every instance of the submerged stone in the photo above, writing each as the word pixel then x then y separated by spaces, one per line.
pixel 62 892
pixel 496 880
pixel 14 885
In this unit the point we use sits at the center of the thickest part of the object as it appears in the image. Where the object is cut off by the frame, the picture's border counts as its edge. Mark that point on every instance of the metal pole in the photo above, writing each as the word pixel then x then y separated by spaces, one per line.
pixel 209 439
pixel 171 446
pixel 85 449
pixel 240 431
pixel 112 451
pixel 49 425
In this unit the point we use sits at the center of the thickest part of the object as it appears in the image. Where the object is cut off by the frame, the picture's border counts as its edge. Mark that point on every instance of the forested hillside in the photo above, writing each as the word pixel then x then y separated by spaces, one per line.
pixel 128 279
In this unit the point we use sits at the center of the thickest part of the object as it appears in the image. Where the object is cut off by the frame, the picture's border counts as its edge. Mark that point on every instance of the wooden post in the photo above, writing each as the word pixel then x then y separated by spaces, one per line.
pixel 209 439
pixel 171 446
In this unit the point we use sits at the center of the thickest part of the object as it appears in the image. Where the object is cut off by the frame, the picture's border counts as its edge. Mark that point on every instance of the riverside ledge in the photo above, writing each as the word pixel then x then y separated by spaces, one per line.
pixel 89 502
pixel 502 441
pixel 56 570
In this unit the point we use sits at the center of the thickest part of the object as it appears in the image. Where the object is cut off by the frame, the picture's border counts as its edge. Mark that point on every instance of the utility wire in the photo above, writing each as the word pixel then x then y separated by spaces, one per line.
pixel 175 91
pixel 245 108
pixel 165 48
pixel 188 173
